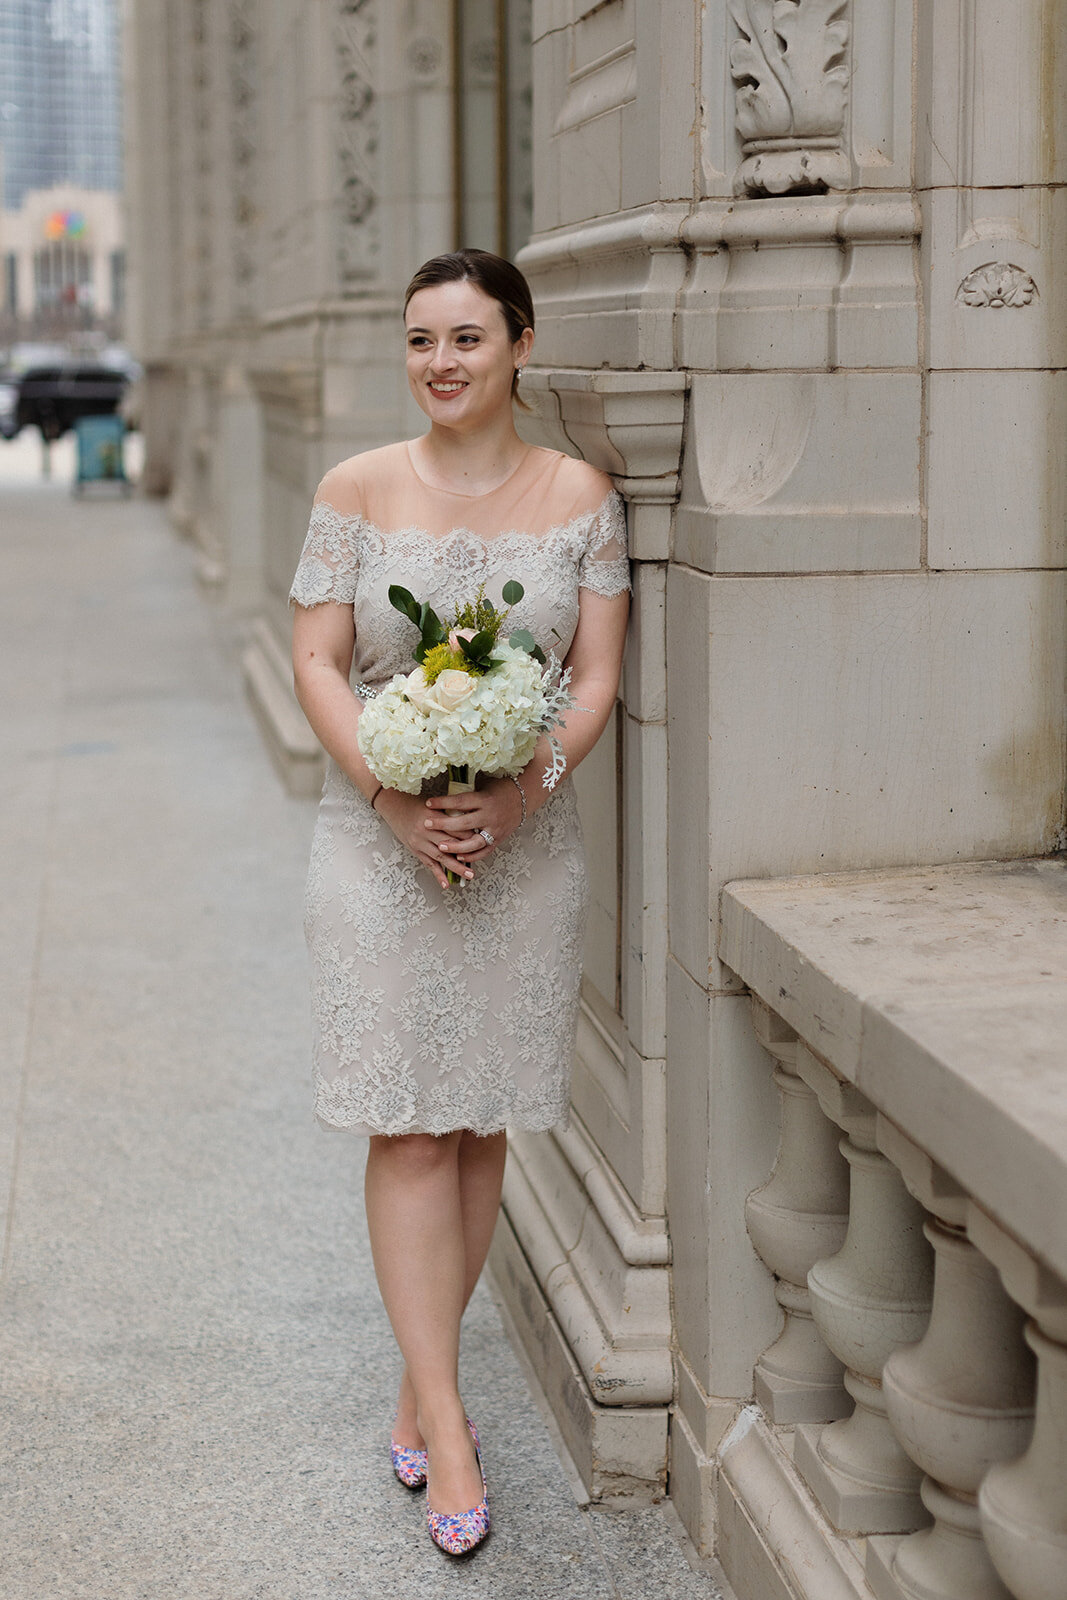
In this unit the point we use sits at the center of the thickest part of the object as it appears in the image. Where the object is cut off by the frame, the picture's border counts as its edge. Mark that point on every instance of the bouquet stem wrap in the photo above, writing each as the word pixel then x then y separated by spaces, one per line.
pixel 459 783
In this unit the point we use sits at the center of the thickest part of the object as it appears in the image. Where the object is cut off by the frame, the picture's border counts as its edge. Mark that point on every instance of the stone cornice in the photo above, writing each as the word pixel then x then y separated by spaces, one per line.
pixel 867 215
pixel 656 227
pixel 871 217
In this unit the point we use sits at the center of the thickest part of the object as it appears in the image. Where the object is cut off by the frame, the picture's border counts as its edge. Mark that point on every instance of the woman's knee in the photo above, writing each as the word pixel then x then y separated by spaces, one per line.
pixel 477 1148
pixel 414 1155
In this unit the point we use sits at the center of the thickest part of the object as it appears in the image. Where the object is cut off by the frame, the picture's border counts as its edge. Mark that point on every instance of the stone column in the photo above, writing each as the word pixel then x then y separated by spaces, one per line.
pixel 872 1296
pixel 1023 1503
pixel 959 1400
pixel 796 1219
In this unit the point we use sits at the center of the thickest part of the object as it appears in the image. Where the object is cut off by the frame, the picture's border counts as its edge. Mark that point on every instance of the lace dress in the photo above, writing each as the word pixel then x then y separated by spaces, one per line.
pixel 442 1009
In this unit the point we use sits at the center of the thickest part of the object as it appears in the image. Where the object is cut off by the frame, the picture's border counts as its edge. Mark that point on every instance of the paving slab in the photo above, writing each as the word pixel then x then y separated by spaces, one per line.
pixel 196 1375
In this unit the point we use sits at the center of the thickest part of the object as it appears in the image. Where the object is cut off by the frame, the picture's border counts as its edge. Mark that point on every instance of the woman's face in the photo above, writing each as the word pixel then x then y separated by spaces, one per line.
pixel 460 358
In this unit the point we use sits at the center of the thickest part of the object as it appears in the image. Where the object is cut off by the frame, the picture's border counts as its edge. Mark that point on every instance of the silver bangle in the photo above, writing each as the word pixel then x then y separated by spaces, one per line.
pixel 522 795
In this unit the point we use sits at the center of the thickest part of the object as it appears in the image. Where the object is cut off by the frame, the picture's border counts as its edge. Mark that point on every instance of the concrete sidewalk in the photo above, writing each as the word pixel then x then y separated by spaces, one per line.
pixel 196 1375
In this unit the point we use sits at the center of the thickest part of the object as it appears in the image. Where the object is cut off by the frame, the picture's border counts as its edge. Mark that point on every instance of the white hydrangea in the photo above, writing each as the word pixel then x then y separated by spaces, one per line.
pixel 493 729
pixel 396 740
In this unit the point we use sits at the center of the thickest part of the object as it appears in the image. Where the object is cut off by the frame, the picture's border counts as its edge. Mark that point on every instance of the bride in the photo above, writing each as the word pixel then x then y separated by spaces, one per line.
pixel 446 1013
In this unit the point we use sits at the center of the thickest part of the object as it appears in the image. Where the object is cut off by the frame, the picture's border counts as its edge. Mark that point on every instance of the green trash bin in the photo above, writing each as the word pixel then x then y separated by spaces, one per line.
pixel 100 443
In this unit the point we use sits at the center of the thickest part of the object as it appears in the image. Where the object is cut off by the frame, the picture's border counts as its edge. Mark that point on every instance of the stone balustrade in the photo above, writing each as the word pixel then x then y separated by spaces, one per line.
pixel 909 1439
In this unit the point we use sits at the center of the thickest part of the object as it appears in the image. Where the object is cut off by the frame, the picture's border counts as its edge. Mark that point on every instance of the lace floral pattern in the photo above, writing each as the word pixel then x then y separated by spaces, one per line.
pixel 437 1010
pixel 349 560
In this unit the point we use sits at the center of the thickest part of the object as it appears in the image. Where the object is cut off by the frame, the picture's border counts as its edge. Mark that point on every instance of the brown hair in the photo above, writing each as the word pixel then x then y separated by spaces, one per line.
pixel 501 280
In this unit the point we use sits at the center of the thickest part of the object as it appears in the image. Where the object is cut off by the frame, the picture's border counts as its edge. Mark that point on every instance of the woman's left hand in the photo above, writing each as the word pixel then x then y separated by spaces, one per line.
pixel 458 820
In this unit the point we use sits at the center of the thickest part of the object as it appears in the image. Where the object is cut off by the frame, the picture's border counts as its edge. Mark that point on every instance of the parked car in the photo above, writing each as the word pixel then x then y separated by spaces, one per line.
pixel 52 397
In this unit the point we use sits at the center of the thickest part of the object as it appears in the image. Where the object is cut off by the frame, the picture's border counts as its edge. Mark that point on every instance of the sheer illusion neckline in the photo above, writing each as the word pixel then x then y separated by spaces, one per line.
pixel 413 532
pixel 461 494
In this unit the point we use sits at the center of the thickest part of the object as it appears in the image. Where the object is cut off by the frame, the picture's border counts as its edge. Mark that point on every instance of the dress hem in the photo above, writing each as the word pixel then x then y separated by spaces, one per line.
pixel 365 1130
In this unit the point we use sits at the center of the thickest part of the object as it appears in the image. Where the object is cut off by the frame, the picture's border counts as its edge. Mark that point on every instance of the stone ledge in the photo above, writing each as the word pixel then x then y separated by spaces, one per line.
pixel 941 993
pixel 294 749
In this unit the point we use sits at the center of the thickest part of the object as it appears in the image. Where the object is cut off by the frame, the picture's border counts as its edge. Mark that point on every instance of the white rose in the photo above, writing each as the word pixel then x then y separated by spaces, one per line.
pixel 450 690
pixel 417 689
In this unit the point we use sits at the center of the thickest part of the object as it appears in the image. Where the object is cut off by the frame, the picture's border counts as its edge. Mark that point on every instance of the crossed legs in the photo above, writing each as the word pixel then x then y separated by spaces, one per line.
pixel 432 1205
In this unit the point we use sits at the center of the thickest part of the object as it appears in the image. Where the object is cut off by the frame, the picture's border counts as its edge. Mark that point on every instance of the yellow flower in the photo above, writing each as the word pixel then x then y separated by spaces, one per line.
pixel 440 659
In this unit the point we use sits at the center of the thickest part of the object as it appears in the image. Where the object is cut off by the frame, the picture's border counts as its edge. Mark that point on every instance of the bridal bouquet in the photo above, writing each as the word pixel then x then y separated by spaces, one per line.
pixel 476 702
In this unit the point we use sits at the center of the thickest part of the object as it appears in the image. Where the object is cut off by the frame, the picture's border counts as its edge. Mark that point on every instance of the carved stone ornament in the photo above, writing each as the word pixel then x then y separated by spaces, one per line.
pixel 997 284
pixel 243 110
pixel 358 141
pixel 425 55
pixel 791 71
pixel 204 184
pixel 484 59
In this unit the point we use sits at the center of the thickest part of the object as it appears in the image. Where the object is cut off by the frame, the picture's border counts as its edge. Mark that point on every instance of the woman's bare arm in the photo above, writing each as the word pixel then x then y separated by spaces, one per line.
pixel 324 642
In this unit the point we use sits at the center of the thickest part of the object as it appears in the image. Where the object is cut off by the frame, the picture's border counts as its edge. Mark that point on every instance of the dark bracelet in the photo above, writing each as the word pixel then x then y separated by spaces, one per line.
pixel 375 795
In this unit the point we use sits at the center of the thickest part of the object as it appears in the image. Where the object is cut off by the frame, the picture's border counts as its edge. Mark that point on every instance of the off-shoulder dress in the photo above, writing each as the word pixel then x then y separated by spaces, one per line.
pixel 443 1009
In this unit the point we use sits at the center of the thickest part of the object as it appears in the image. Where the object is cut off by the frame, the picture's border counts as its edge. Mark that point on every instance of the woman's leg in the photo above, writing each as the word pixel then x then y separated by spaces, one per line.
pixel 481 1177
pixel 416 1215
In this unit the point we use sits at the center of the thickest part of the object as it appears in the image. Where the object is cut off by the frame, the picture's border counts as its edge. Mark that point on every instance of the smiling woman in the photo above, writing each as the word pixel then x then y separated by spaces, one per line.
pixel 484 335
pixel 445 1014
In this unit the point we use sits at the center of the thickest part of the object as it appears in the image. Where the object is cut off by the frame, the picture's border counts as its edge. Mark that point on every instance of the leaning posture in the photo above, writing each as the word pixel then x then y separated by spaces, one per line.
pixel 445 930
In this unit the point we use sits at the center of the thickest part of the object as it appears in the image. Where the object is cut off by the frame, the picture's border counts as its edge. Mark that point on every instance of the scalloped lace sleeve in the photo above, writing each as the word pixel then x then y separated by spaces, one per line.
pixel 329 561
pixel 605 567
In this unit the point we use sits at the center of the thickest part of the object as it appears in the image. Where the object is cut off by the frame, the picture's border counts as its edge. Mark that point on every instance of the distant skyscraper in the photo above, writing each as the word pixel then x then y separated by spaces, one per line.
pixel 60 111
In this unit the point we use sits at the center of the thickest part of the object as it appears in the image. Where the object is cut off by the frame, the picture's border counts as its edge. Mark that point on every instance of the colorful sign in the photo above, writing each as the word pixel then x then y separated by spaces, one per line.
pixel 65 225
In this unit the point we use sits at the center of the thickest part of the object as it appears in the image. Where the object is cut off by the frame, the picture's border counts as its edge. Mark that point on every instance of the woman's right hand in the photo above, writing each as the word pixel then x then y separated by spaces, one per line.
pixel 407 816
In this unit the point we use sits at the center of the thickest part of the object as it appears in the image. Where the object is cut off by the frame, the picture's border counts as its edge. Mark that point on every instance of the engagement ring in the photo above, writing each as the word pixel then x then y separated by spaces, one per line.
pixel 487 836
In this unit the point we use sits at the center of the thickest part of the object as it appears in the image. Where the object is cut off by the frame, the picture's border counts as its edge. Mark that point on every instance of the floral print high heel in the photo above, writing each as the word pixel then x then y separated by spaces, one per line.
pixel 459 1533
pixel 408 1464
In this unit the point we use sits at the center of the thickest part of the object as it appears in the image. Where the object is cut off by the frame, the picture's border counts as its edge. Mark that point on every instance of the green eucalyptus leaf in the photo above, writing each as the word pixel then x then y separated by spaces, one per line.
pixel 524 640
pixel 512 592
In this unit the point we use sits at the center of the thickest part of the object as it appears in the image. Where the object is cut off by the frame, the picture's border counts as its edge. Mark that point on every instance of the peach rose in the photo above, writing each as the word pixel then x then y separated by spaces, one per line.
pixel 450 690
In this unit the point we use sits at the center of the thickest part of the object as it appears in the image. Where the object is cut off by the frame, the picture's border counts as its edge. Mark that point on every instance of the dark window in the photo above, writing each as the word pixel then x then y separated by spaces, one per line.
pixel 492 113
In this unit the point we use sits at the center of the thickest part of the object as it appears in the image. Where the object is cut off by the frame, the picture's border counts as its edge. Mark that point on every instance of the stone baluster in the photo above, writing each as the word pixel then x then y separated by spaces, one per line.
pixel 799 1216
pixel 1023 1503
pixel 959 1400
pixel 870 1297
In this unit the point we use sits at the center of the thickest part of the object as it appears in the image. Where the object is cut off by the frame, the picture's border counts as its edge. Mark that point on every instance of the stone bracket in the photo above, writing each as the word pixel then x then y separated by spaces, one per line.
pixel 630 424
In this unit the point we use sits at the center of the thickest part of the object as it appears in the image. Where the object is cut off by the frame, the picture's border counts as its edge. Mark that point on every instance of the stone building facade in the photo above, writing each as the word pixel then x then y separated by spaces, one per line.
pixel 800 291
